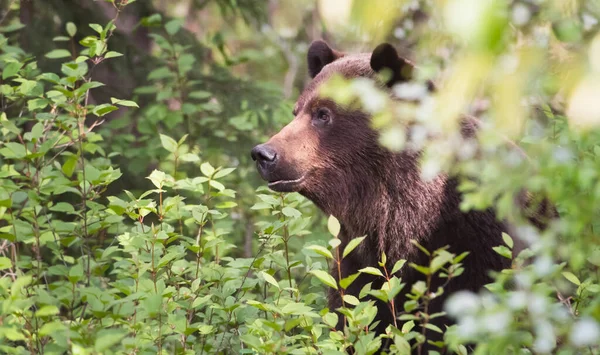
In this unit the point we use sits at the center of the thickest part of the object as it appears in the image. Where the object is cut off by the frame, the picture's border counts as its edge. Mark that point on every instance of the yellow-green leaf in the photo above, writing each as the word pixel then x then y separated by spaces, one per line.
pixel 333 225
pixel 270 279
pixel 325 278
pixel 571 277
pixel 352 245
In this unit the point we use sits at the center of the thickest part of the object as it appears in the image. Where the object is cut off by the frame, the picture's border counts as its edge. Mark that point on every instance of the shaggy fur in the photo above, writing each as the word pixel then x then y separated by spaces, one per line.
pixel 339 165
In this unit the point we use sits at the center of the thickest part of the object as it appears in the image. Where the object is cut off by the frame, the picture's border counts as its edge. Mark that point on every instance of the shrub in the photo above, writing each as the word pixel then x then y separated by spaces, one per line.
pixel 89 267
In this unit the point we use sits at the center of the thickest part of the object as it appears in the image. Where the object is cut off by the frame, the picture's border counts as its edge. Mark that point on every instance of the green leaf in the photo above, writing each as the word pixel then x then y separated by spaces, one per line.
pixel 201 300
pixel 433 327
pixel 36 132
pixel 571 277
pixel 27 87
pixel 103 109
pixel 320 250
pixel 325 278
pixel 8 125
pixel 407 327
pixel 126 103
pixel 226 204
pixel 507 240
pixel 223 172
pixel 173 26
pixel 69 166
pixel 422 269
pixel 46 311
pixel 63 207
pixel 36 104
pixel 11 69
pixel 217 185
pixel 76 273
pixel 158 178
pixel 200 94
pixel 352 245
pixel 398 265
pixel 261 206
pixel 71 29
pixel 88 85
pixel 351 300
pixel 331 319
pixel 440 260
pixel 291 212
pixel 593 288
pixel 12 334
pixel 207 169
pixel 421 248
pixel 52 328
pixel 168 143
pixel 106 338
pixel 5 263
pixel 333 225
pixel 58 53
pixel 296 308
pixel 96 27
pixel 270 279
pixel 189 157
pixel 12 150
pixel 348 280
pixel 160 73
pixel 112 54
pixel 371 271
pixel 504 251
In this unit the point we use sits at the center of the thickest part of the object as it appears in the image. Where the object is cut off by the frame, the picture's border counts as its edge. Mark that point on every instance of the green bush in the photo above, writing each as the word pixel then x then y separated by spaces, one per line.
pixel 120 232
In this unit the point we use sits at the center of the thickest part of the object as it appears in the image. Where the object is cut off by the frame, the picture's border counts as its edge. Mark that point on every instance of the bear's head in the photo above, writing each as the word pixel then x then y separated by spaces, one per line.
pixel 328 152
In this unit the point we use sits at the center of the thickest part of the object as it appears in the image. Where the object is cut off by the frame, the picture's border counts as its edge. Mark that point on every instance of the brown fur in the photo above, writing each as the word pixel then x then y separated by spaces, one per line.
pixel 377 193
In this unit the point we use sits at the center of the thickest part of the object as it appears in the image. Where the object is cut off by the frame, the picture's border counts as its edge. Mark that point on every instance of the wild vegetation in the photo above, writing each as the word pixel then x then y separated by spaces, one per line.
pixel 132 219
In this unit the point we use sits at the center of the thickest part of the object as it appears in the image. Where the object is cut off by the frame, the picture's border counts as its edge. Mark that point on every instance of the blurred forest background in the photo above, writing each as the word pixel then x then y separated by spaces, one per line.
pixel 229 86
pixel 132 219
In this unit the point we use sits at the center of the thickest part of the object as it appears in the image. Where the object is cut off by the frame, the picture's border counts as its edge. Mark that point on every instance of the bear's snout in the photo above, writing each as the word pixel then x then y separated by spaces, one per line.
pixel 281 176
pixel 264 155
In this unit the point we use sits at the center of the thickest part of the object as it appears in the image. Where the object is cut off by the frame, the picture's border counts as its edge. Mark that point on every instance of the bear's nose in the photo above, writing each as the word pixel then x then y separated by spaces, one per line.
pixel 263 154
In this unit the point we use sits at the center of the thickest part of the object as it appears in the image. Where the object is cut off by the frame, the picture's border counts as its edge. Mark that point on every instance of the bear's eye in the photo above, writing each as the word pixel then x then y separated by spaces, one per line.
pixel 322 115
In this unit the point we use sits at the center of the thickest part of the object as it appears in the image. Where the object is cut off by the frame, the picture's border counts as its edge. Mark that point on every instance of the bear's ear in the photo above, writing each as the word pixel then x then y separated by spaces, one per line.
pixel 319 55
pixel 385 57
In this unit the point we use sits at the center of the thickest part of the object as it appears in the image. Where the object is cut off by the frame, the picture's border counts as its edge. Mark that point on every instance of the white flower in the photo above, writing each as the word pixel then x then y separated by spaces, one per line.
pixel 430 169
pixel 589 21
pixel 523 280
pixel 543 265
pixel 467 327
pixel 545 340
pixel 410 91
pixel 594 54
pixel 538 306
pixel 372 99
pixel 585 332
pixel 393 138
pixel 496 322
pixel 520 14
pixel 562 155
pixel 462 303
pixel 399 33
pixel 584 107
pixel 517 300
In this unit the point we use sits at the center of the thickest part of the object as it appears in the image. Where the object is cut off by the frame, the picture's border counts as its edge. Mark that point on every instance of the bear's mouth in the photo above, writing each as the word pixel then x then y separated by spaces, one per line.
pixel 285 185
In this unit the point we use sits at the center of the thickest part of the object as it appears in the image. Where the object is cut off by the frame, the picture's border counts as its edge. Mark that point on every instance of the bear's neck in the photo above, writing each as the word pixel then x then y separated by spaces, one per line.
pixel 391 206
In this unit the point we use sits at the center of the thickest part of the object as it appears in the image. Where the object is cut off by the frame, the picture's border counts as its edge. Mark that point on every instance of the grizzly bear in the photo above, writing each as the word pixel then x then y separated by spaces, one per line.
pixel 331 155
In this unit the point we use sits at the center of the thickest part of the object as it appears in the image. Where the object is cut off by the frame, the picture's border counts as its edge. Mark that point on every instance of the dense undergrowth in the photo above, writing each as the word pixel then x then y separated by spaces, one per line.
pixel 98 258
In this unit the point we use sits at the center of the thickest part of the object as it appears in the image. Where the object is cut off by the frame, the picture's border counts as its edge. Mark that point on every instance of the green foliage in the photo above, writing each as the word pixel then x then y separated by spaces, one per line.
pixel 120 228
